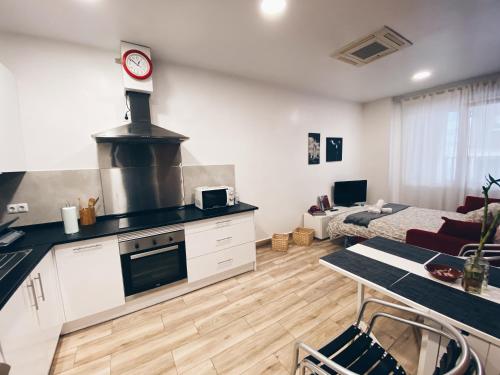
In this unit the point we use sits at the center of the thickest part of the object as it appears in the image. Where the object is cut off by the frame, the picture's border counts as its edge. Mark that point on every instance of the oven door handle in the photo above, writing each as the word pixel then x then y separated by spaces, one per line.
pixel 154 252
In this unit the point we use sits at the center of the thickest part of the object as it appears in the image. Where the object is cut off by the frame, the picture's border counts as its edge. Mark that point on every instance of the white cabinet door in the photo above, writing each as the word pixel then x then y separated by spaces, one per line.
pixel 12 156
pixel 20 335
pixel 90 276
pixel 50 313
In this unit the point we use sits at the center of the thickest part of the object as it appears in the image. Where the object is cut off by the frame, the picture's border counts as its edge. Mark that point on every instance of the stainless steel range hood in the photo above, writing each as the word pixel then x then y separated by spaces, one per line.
pixel 140 130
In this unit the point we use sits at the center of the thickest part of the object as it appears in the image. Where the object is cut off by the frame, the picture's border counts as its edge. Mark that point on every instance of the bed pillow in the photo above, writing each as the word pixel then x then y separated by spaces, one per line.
pixel 462 229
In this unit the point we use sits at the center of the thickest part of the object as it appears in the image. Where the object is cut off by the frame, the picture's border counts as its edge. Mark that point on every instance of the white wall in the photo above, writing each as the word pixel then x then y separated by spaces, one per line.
pixel 67 92
pixel 377 117
pixel 11 151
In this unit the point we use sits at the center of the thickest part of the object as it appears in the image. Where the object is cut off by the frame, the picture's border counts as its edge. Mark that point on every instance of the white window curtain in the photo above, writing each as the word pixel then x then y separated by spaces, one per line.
pixel 444 144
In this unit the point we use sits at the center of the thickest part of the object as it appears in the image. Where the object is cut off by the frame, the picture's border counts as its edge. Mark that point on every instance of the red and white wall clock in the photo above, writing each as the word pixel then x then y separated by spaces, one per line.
pixel 137 64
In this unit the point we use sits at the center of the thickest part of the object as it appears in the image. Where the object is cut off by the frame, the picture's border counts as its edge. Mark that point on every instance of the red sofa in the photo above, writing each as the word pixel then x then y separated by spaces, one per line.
pixel 442 242
pixel 473 203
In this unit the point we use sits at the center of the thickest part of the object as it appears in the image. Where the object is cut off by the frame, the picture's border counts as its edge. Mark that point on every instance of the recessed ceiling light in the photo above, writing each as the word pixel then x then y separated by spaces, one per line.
pixel 419 76
pixel 272 8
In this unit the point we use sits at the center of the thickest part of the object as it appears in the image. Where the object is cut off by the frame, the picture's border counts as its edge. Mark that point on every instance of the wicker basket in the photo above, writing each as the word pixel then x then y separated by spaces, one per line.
pixel 303 236
pixel 280 242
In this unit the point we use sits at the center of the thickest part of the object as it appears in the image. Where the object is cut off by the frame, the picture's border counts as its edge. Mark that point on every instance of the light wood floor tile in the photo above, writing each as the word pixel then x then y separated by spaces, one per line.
pixel 151 351
pixel 320 288
pixel 239 358
pixel 226 314
pixel 152 312
pixel 201 294
pixel 101 366
pixel 204 368
pixel 78 338
pixel 269 366
pixel 310 316
pixel 274 311
pixel 243 290
pixel 119 340
pixel 174 319
pixel 63 362
pixel 162 363
pixel 207 346
pixel 278 290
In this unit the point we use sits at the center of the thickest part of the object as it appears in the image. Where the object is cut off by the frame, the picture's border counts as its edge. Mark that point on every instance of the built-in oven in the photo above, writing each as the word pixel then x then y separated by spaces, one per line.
pixel 152 258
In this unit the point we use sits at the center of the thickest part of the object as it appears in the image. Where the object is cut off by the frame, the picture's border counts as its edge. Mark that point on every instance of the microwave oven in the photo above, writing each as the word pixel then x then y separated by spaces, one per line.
pixel 207 197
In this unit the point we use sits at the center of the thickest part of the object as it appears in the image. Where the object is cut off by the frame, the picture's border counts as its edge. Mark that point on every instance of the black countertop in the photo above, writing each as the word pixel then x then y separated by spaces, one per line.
pixel 41 238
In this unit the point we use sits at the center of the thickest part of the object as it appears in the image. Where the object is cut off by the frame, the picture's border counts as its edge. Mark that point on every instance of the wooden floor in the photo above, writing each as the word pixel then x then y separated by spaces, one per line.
pixel 244 325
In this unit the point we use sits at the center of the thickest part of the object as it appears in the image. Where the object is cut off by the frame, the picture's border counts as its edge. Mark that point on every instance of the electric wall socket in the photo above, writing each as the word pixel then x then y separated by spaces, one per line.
pixel 17 208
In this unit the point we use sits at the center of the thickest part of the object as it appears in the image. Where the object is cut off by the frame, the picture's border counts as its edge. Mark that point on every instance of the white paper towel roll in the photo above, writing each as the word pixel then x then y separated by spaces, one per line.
pixel 70 219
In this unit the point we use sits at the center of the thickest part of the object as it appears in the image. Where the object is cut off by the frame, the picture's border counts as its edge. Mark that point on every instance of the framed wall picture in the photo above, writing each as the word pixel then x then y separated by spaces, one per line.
pixel 333 149
pixel 313 140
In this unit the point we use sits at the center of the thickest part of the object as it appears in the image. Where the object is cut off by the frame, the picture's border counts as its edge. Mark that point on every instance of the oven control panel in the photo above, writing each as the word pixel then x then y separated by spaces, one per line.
pixel 151 242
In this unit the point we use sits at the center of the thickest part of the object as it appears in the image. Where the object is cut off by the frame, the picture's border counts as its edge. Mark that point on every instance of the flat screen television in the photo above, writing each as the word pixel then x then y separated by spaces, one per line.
pixel 346 193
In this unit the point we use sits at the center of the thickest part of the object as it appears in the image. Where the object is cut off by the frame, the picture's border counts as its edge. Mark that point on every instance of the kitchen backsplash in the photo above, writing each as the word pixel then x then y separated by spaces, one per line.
pixel 47 191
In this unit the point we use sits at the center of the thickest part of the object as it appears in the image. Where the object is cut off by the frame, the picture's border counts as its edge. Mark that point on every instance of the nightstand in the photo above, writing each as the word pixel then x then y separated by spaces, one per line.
pixel 320 223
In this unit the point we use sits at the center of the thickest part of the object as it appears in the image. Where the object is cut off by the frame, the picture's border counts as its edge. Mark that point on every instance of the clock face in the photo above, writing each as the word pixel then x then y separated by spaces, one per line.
pixel 137 64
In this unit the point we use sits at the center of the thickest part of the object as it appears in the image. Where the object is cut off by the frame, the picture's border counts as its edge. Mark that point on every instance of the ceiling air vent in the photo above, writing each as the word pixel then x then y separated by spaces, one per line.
pixel 372 47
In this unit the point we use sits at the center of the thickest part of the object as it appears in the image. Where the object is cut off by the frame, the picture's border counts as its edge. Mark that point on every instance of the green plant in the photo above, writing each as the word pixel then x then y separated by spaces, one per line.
pixel 487 231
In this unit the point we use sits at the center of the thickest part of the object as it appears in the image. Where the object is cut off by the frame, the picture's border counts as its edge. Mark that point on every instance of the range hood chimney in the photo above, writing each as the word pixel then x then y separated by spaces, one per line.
pixel 140 130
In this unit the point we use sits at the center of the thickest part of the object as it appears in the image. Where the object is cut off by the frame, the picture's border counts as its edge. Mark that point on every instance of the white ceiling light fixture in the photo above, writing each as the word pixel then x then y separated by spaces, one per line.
pixel 272 8
pixel 419 76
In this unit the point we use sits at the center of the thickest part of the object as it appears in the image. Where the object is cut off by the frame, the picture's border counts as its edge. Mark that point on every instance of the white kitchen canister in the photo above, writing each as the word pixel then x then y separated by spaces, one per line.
pixel 70 219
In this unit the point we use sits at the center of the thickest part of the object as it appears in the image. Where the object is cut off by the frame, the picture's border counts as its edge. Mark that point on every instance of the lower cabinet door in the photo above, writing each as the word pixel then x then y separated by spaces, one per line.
pixel 20 336
pixel 90 276
pixel 204 266
pixel 50 312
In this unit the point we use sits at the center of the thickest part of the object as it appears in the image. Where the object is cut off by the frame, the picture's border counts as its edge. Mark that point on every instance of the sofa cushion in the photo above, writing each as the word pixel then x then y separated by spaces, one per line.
pixel 461 229
pixel 478 215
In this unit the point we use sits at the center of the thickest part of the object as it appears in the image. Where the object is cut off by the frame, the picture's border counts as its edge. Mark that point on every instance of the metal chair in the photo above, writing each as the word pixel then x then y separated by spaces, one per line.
pixel 491 252
pixel 356 352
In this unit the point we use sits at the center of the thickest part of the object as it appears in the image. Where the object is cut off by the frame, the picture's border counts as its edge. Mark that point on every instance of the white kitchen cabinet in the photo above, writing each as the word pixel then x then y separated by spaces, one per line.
pixel 202 267
pixel 31 321
pixel 214 246
pixel 20 334
pixel 50 311
pixel 90 276
pixel 12 157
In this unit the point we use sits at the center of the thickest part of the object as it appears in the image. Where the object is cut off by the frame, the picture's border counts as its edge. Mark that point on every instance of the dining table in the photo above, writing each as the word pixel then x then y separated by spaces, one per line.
pixel 397 270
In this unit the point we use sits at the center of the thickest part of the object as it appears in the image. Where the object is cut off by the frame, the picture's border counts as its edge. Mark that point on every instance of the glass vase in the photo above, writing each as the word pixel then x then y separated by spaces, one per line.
pixel 475 278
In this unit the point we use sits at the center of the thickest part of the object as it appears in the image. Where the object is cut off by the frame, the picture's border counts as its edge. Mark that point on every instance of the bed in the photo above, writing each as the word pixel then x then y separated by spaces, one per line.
pixel 392 226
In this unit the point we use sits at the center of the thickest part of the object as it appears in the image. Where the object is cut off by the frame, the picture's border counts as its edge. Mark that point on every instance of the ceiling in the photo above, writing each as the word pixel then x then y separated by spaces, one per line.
pixel 456 39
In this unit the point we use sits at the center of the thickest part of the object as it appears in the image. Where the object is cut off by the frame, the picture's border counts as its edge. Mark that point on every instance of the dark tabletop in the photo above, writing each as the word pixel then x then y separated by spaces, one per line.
pixel 41 238
pixel 471 310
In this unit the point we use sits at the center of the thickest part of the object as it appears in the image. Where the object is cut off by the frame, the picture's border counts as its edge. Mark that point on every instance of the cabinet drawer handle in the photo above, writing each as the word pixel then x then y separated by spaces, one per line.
pixel 87 248
pixel 31 286
pixel 39 278
pixel 223 223
pixel 225 261
pixel 224 239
